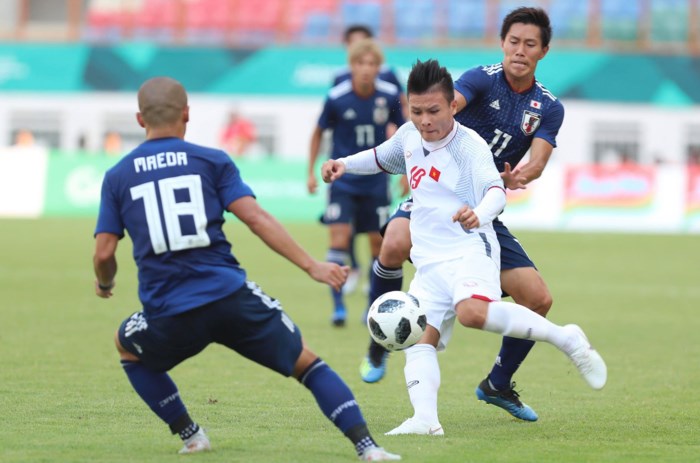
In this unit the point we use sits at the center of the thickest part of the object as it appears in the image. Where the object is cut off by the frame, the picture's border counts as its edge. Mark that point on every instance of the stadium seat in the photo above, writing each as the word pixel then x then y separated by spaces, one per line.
pixel 569 20
pixel 156 20
pixel 669 21
pixel 414 20
pixel 466 19
pixel 256 22
pixel 620 20
pixel 364 12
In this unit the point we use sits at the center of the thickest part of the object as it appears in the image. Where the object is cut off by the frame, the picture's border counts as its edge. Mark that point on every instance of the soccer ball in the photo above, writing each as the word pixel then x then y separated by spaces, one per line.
pixel 396 320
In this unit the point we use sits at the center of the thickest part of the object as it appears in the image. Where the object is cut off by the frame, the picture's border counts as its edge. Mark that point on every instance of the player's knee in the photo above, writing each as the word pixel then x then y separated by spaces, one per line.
pixel 394 252
pixel 539 301
pixel 472 313
pixel 305 359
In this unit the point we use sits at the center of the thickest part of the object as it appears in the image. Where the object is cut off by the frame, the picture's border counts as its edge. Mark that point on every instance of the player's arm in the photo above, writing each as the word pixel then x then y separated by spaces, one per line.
pixel 276 237
pixel 362 163
pixel 540 152
pixel 105 263
pixel 314 147
pixel 485 212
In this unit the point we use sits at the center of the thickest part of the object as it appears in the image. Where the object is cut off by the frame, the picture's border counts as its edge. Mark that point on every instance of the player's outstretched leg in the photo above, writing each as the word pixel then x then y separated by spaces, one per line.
pixel 509 319
pixel 339 405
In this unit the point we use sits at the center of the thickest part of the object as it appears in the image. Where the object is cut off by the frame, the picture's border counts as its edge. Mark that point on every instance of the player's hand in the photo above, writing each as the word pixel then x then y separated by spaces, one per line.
pixel 330 273
pixel 466 217
pixel 103 293
pixel 311 184
pixel 332 170
pixel 513 179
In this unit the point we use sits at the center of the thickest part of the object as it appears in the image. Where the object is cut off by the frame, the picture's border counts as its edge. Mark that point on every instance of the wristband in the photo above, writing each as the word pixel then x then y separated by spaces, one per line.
pixel 105 287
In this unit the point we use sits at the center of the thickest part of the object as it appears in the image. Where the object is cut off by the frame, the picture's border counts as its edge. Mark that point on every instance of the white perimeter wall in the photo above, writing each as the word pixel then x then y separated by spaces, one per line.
pixel 663 133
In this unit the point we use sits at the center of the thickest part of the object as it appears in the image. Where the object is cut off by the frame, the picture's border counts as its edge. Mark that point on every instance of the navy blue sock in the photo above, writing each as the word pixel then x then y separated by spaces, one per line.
pixel 334 397
pixel 384 279
pixel 340 257
pixel 513 352
pixel 158 391
pixel 354 264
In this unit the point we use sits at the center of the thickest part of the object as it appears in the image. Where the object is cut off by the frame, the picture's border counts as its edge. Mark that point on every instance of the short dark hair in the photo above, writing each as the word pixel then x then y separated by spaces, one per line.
pixel 427 74
pixel 529 15
pixel 355 28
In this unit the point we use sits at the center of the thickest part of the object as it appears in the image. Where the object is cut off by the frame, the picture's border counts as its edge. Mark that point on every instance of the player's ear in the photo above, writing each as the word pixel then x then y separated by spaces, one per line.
pixel 139 119
pixel 544 51
pixel 186 114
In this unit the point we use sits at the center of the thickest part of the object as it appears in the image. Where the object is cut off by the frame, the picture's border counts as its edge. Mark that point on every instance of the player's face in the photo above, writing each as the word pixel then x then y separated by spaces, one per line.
pixel 365 69
pixel 522 50
pixel 432 114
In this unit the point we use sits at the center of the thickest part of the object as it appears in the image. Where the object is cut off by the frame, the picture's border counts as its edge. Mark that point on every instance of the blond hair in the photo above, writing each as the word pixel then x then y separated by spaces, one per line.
pixel 362 47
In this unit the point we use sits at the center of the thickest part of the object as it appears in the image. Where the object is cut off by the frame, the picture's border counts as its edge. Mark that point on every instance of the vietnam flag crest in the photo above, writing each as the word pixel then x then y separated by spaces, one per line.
pixel 434 174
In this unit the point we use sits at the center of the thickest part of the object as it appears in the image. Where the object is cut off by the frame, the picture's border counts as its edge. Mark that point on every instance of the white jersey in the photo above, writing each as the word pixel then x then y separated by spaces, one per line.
pixel 444 176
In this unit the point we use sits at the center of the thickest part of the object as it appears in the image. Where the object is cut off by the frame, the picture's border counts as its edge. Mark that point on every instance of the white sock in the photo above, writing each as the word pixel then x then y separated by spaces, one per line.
pixel 517 321
pixel 422 373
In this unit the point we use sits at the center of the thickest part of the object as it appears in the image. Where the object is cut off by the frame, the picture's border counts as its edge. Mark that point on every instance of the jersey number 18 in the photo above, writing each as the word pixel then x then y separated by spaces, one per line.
pixel 172 211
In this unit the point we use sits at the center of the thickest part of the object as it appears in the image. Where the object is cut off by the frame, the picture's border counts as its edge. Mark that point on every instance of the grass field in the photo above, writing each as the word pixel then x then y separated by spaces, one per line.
pixel 64 397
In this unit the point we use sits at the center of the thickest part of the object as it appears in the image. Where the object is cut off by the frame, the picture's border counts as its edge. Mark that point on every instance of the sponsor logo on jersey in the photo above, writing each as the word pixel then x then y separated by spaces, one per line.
pixel 495 104
pixel 434 174
pixel 349 114
pixel 530 123
pixel 535 104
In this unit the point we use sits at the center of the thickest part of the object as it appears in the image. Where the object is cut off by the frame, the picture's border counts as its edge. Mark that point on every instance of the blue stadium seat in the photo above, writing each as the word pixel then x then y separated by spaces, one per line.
pixel 569 20
pixel 365 12
pixel 669 21
pixel 620 19
pixel 317 27
pixel 414 20
pixel 466 19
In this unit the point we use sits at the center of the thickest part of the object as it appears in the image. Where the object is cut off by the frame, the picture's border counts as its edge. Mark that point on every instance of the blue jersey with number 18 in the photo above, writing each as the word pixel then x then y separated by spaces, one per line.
pixel 170 196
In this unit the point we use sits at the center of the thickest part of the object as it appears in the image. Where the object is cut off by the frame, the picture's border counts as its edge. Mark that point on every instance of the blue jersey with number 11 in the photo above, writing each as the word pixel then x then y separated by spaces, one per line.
pixel 170 196
pixel 506 119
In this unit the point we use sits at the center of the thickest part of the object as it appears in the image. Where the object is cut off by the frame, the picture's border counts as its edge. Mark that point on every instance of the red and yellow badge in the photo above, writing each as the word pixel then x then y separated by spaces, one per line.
pixel 434 174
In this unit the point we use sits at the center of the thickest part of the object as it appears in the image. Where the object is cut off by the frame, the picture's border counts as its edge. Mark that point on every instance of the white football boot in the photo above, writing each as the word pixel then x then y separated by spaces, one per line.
pixel 588 361
pixel 415 426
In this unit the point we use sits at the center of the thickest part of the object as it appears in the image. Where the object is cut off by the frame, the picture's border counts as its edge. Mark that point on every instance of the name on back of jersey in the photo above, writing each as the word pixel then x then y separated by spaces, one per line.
pixel 160 160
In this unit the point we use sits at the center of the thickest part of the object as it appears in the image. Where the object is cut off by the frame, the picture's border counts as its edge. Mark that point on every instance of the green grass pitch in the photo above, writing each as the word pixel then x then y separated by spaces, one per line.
pixel 64 398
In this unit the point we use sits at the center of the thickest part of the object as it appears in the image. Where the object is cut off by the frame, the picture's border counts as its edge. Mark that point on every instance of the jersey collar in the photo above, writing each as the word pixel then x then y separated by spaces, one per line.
pixel 430 146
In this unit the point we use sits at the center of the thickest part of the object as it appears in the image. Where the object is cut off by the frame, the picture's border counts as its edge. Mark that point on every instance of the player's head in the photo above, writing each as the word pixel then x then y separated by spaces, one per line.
pixel 365 58
pixel 162 104
pixel 356 32
pixel 525 36
pixel 431 99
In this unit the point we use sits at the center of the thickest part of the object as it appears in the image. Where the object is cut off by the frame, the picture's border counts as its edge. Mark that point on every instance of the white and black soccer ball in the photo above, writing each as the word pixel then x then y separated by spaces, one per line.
pixel 395 320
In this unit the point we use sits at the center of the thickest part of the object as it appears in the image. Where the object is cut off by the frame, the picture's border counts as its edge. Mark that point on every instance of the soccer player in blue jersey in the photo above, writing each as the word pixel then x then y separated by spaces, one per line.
pixel 170 196
pixel 352 34
pixel 514 113
pixel 359 111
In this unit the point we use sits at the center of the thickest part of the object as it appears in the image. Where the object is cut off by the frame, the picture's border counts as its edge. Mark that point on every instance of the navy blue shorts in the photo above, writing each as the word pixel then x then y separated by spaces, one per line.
pixel 512 253
pixel 248 321
pixel 366 213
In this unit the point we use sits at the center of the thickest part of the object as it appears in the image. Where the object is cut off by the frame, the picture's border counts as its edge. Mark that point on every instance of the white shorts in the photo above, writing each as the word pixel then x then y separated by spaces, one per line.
pixel 440 286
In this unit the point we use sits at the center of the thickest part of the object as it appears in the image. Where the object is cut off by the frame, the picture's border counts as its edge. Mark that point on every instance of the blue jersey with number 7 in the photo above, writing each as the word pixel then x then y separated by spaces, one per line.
pixel 170 196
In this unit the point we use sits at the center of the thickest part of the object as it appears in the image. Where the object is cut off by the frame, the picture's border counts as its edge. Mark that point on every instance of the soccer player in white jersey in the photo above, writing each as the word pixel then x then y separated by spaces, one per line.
pixel 457 193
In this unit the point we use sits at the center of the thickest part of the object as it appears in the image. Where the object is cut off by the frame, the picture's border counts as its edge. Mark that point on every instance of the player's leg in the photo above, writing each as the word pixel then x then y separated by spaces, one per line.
pixel 422 370
pixel 254 325
pixel 387 275
pixel 510 319
pixel 144 365
pixel 354 276
pixel 521 280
